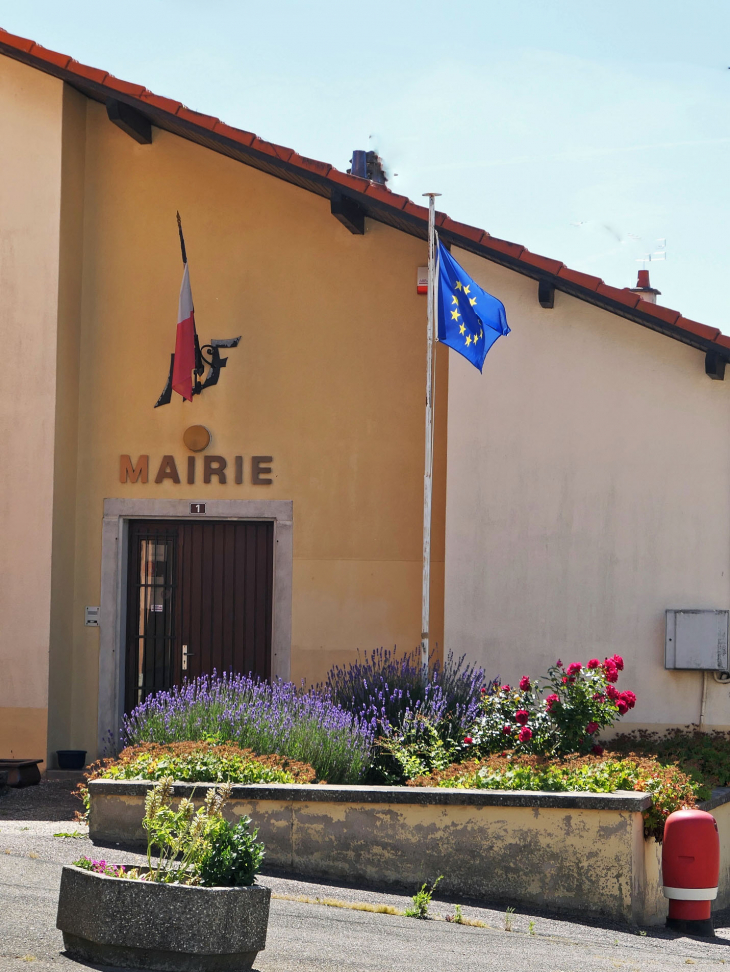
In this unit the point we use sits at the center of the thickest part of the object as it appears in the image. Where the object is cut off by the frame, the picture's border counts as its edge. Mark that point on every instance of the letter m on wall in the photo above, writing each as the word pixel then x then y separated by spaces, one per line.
pixel 129 473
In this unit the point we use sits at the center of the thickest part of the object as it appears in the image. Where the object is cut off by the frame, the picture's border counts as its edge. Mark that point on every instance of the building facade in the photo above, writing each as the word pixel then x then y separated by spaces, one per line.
pixel 274 523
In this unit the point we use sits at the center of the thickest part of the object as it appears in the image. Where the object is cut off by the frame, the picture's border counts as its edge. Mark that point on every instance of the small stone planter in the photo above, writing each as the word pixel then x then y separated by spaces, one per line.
pixel 142 925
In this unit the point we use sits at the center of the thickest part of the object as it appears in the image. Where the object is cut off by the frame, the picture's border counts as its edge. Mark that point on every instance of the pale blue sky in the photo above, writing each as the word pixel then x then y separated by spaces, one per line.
pixel 528 116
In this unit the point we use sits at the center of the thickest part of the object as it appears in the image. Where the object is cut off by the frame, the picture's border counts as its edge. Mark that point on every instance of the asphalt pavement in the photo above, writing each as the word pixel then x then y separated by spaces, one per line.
pixel 305 936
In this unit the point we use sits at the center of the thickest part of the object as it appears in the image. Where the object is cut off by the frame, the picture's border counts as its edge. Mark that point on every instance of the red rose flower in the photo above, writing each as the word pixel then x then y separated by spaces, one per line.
pixel 618 662
pixel 522 717
pixel 525 734
pixel 559 663
pixel 574 668
pixel 597 749
pixel 610 670
pixel 629 698
pixel 612 692
pixel 592 727
pixel 599 698
pixel 468 740
pixel 483 690
pixel 565 679
pixel 507 730
pixel 524 683
pixel 506 688
pixel 622 707
pixel 594 663
pixel 550 701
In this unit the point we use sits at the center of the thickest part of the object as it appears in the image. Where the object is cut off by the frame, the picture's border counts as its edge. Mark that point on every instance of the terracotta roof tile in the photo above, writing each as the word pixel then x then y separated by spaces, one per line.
pixel 51 57
pixel 348 181
pixel 463 229
pixel 84 71
pixel 164 104
pixel 622 295
pixel 205 121
pixel 12 40
pixel 235 134
pixel 581 279
pixel 385 195
pixel 701 330
pixel 270 148
pixel 504 246
pixel 321 168
pixel 656 310
pixel 357 185
pixel 135 90
pixel 544 263
pixel 413 209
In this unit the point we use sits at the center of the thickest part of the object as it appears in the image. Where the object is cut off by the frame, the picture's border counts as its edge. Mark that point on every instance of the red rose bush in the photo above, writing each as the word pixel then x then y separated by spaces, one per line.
pixel 563 716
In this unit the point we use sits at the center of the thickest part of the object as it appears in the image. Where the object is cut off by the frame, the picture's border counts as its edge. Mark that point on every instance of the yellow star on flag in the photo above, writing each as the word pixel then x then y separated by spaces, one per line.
pixel 457 285
pixel 455 315
pixel 468 340
pixel 472 301
pixel 454 299
pixel 462 328
pixel 466 289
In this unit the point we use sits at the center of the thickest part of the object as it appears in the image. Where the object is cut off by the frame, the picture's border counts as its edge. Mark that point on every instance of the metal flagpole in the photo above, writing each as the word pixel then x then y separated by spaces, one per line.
pixel 428 474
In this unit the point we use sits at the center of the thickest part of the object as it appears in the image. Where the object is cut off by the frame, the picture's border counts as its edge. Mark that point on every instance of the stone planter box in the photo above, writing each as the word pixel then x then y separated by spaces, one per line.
pixel 140 925
pixel 579 853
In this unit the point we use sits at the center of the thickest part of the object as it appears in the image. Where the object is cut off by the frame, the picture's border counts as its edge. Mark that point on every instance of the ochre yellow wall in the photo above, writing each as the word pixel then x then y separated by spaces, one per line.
pixel 328 379
pixel 30 187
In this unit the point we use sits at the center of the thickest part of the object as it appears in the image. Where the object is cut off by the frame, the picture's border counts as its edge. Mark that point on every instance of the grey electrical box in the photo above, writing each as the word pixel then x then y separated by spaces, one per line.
pixel 697 640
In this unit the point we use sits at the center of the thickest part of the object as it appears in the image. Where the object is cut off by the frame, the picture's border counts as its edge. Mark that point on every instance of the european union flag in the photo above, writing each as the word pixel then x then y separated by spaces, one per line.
pixel 469 319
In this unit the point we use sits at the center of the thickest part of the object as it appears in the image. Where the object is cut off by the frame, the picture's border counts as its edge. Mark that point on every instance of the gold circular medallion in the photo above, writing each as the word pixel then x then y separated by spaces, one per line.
pixel 196 438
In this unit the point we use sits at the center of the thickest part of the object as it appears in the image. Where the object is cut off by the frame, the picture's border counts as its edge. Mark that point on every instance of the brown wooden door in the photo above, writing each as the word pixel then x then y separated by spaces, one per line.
pixel 199 599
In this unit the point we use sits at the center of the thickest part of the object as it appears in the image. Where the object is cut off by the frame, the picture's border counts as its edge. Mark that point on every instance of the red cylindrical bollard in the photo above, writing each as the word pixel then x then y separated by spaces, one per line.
pixel 690 870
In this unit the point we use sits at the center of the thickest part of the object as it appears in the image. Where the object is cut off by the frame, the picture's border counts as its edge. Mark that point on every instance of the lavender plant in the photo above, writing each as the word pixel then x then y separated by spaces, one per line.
pixel 267 718
pixel 390 692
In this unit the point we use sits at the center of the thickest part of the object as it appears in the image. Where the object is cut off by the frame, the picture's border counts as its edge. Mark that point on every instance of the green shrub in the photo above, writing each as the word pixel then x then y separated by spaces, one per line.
pixel 195 762
pixel 580 701
pixel 703 755
pixel 669 787
pixel 233 857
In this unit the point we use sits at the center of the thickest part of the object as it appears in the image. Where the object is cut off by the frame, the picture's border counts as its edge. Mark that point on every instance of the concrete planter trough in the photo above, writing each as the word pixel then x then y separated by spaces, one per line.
pixel 579 853
pixel 140 925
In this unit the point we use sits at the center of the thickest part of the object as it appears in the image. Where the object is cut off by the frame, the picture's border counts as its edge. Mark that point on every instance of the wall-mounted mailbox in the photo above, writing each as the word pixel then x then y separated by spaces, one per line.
pixel 697 640
pixel 91 616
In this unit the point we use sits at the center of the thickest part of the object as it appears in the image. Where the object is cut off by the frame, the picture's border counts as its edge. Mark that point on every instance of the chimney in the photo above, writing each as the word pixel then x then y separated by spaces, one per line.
pixel 644 289
pixel 367 165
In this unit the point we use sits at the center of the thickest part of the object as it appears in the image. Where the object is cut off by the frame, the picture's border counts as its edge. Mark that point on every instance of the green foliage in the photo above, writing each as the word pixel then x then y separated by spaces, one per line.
pixel 457 918
pixel 508 919
pixel 669 787
pixel 233 857
pixel 203 762
pixel 703 755
pixel 580 701
pixel 421 900
pixel 417 749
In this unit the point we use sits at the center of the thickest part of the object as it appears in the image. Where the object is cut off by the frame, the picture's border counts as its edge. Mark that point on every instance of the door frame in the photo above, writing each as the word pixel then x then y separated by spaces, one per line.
pixel 113 619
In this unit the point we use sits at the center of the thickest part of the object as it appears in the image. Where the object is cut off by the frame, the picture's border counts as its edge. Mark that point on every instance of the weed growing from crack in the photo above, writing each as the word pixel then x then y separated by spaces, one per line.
pixel 508 919
pixel 421 900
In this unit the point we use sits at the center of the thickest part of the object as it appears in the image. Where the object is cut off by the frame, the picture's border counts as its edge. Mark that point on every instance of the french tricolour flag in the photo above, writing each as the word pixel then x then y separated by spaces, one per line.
pixel 182 373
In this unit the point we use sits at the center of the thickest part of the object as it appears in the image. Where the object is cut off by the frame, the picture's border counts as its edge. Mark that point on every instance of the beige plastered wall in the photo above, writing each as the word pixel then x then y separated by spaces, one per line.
pixel 328 379
pixel 31 110
pixel 588 491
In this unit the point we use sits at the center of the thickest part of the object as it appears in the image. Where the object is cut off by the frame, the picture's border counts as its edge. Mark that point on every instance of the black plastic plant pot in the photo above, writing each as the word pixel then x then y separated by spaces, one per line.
pixel 71 759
